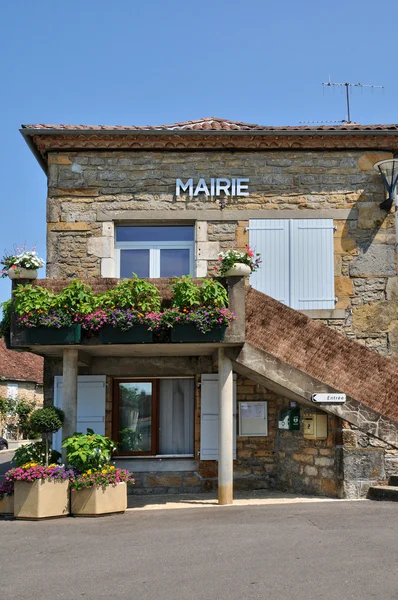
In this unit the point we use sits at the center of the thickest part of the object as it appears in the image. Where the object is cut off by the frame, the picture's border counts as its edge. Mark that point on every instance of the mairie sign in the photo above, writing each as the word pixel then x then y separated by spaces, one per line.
pixel 215 186
pixel 328 398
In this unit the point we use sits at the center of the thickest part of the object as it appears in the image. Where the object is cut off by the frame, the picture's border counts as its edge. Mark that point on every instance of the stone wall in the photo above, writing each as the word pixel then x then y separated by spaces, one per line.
pixel 364 461
pixel 89 191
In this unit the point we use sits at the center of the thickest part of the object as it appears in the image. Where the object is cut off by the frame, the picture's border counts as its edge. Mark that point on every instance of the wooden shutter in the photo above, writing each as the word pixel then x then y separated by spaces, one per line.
pixel 297 261
pixel 312 264
pixel 209 417
pixel 91 391
pixel 270 237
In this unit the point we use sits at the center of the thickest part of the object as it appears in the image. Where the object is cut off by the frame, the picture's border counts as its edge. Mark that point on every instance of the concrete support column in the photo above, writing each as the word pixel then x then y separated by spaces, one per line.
pixel 225 431
pixel 69 401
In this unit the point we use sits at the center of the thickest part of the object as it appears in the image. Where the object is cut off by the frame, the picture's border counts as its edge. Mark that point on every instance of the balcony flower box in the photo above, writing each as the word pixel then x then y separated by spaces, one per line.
pixel 41 499
pixel 139 334
pixel 46 336
pixel 188 333
pixel 99 500
pixel 7 505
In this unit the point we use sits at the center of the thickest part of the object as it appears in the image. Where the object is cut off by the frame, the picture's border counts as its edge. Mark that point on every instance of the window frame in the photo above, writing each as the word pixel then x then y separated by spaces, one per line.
pixel 154 252
pixel 155 381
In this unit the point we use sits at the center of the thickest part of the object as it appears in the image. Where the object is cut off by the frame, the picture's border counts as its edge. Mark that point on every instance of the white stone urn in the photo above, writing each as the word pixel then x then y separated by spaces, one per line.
pixel 21 273
pixel 238 270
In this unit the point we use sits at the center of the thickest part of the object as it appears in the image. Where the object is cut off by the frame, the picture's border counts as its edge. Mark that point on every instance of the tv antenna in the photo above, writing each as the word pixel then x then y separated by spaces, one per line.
pixel 347 92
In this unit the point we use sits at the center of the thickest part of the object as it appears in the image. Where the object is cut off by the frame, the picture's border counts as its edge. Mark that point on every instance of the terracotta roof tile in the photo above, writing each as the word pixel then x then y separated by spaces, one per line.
pixel 20 365
pixel 212 124
pixel 321 352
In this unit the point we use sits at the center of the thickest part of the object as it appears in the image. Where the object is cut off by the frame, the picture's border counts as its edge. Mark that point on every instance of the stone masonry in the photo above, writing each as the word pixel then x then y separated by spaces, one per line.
pixel 90 191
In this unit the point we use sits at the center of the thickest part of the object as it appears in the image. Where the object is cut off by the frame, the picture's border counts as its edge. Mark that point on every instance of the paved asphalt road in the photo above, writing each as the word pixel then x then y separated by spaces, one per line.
pixel 322 551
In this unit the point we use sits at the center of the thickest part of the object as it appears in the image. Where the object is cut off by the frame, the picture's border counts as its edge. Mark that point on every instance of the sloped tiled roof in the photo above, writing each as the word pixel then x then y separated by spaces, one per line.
pixel 212 124
pixel 322 353
pixel 20 365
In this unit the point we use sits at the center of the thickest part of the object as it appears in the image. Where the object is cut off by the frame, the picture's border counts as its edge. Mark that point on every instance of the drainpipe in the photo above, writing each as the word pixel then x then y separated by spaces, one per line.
pixel 225 431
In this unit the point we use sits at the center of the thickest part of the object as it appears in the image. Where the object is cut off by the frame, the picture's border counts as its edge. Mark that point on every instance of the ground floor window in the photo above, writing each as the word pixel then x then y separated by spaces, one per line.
pixel 154 416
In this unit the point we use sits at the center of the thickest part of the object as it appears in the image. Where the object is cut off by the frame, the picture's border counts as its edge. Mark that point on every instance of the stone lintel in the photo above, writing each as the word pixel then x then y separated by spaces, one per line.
pixel 226 214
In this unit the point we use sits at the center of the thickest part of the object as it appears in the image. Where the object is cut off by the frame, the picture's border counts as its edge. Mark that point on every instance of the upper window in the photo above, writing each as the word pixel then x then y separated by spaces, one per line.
pixel 151 251
pixel 297 261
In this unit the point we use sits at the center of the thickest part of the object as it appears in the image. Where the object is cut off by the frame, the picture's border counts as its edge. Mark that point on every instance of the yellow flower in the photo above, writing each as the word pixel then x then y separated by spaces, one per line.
pixel 84 475
pixel 103 471
pixel 111 468
pixel 89 472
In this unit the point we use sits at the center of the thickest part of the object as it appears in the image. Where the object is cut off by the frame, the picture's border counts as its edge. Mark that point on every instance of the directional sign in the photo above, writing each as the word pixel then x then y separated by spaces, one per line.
pixel 329 398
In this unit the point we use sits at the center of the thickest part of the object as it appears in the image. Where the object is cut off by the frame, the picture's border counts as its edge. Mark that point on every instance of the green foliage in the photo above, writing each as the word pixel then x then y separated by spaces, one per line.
pixel 35 452
pixel 133 293
pixel 213 294
pixel 88 450
pixel 185 293
pixel 46 420
pixel 21 409
pixel 129 440
pixel 5 323
pixel 77 297
pixel 30 298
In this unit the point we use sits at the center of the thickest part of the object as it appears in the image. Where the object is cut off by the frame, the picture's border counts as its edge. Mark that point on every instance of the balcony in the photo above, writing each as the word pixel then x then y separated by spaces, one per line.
pixel 107 341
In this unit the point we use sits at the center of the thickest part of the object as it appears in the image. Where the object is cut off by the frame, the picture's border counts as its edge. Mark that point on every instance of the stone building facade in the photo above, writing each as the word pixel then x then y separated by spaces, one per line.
pixel 101 179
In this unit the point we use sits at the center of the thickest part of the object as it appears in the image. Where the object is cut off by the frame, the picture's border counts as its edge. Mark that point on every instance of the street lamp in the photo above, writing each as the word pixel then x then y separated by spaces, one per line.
pixel 388 169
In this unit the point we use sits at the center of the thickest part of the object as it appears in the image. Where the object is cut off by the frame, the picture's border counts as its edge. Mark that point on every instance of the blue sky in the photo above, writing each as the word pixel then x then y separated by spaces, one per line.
pixel 153 62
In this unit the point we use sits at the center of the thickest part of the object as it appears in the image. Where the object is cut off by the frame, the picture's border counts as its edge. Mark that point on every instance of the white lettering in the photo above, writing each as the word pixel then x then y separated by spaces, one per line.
pixel 201 188
pixel 219 185
pixel 183 187
pixel 240 187
pixel 222 184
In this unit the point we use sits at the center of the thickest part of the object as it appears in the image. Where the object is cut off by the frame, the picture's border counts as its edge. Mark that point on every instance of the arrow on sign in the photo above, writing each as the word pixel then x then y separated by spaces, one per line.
pixel 330 398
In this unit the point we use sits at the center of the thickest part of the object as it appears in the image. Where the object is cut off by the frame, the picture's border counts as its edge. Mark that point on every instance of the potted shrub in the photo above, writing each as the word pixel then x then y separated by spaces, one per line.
pixel 46 421
pixel 199 312
pixel 97 487
pixel 48 318
pixel 121 317
pixel 7 497
pixel 40 492
pixel 21 264
pixel 238 264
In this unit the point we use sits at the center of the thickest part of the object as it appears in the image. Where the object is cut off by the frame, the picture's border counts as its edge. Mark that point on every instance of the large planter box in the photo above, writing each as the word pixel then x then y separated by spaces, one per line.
pixel 189 333
pixel 95 501
pixel 139 334
pixel 41 499
pixel 51 335
pixel 7 505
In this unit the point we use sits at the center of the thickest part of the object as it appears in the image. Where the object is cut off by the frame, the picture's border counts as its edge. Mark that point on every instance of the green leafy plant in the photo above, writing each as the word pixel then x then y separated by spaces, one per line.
pixel 46 421
pixel 133 293
pixel 186 293
pixel 77 297
pixel 213 294
pixel 88 450
pixel 5 323
pixel 35 452
pixel 30 299
pixel 20 258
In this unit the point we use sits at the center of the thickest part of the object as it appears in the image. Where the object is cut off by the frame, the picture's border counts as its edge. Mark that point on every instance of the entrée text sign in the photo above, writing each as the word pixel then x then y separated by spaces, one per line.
pixel 230 187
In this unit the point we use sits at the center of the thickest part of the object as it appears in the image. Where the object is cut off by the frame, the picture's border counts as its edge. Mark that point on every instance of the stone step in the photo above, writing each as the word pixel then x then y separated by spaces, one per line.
pixel 383 492
pixel 393 480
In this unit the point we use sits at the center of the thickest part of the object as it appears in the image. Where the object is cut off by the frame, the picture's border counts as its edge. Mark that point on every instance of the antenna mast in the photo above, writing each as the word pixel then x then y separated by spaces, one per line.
pixel 347 92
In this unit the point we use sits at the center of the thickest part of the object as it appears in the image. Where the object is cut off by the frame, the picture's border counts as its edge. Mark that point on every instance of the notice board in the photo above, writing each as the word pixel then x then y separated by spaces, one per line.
pixel 253 418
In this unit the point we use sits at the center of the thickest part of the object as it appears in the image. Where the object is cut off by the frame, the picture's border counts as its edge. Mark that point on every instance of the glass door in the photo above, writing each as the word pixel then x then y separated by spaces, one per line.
pixel 135 420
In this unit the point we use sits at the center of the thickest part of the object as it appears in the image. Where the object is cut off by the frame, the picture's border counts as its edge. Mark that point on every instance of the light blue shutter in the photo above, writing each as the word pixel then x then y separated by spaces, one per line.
pixel 90 404
pixel 270 237
pixel 209 414
pixel 312 264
